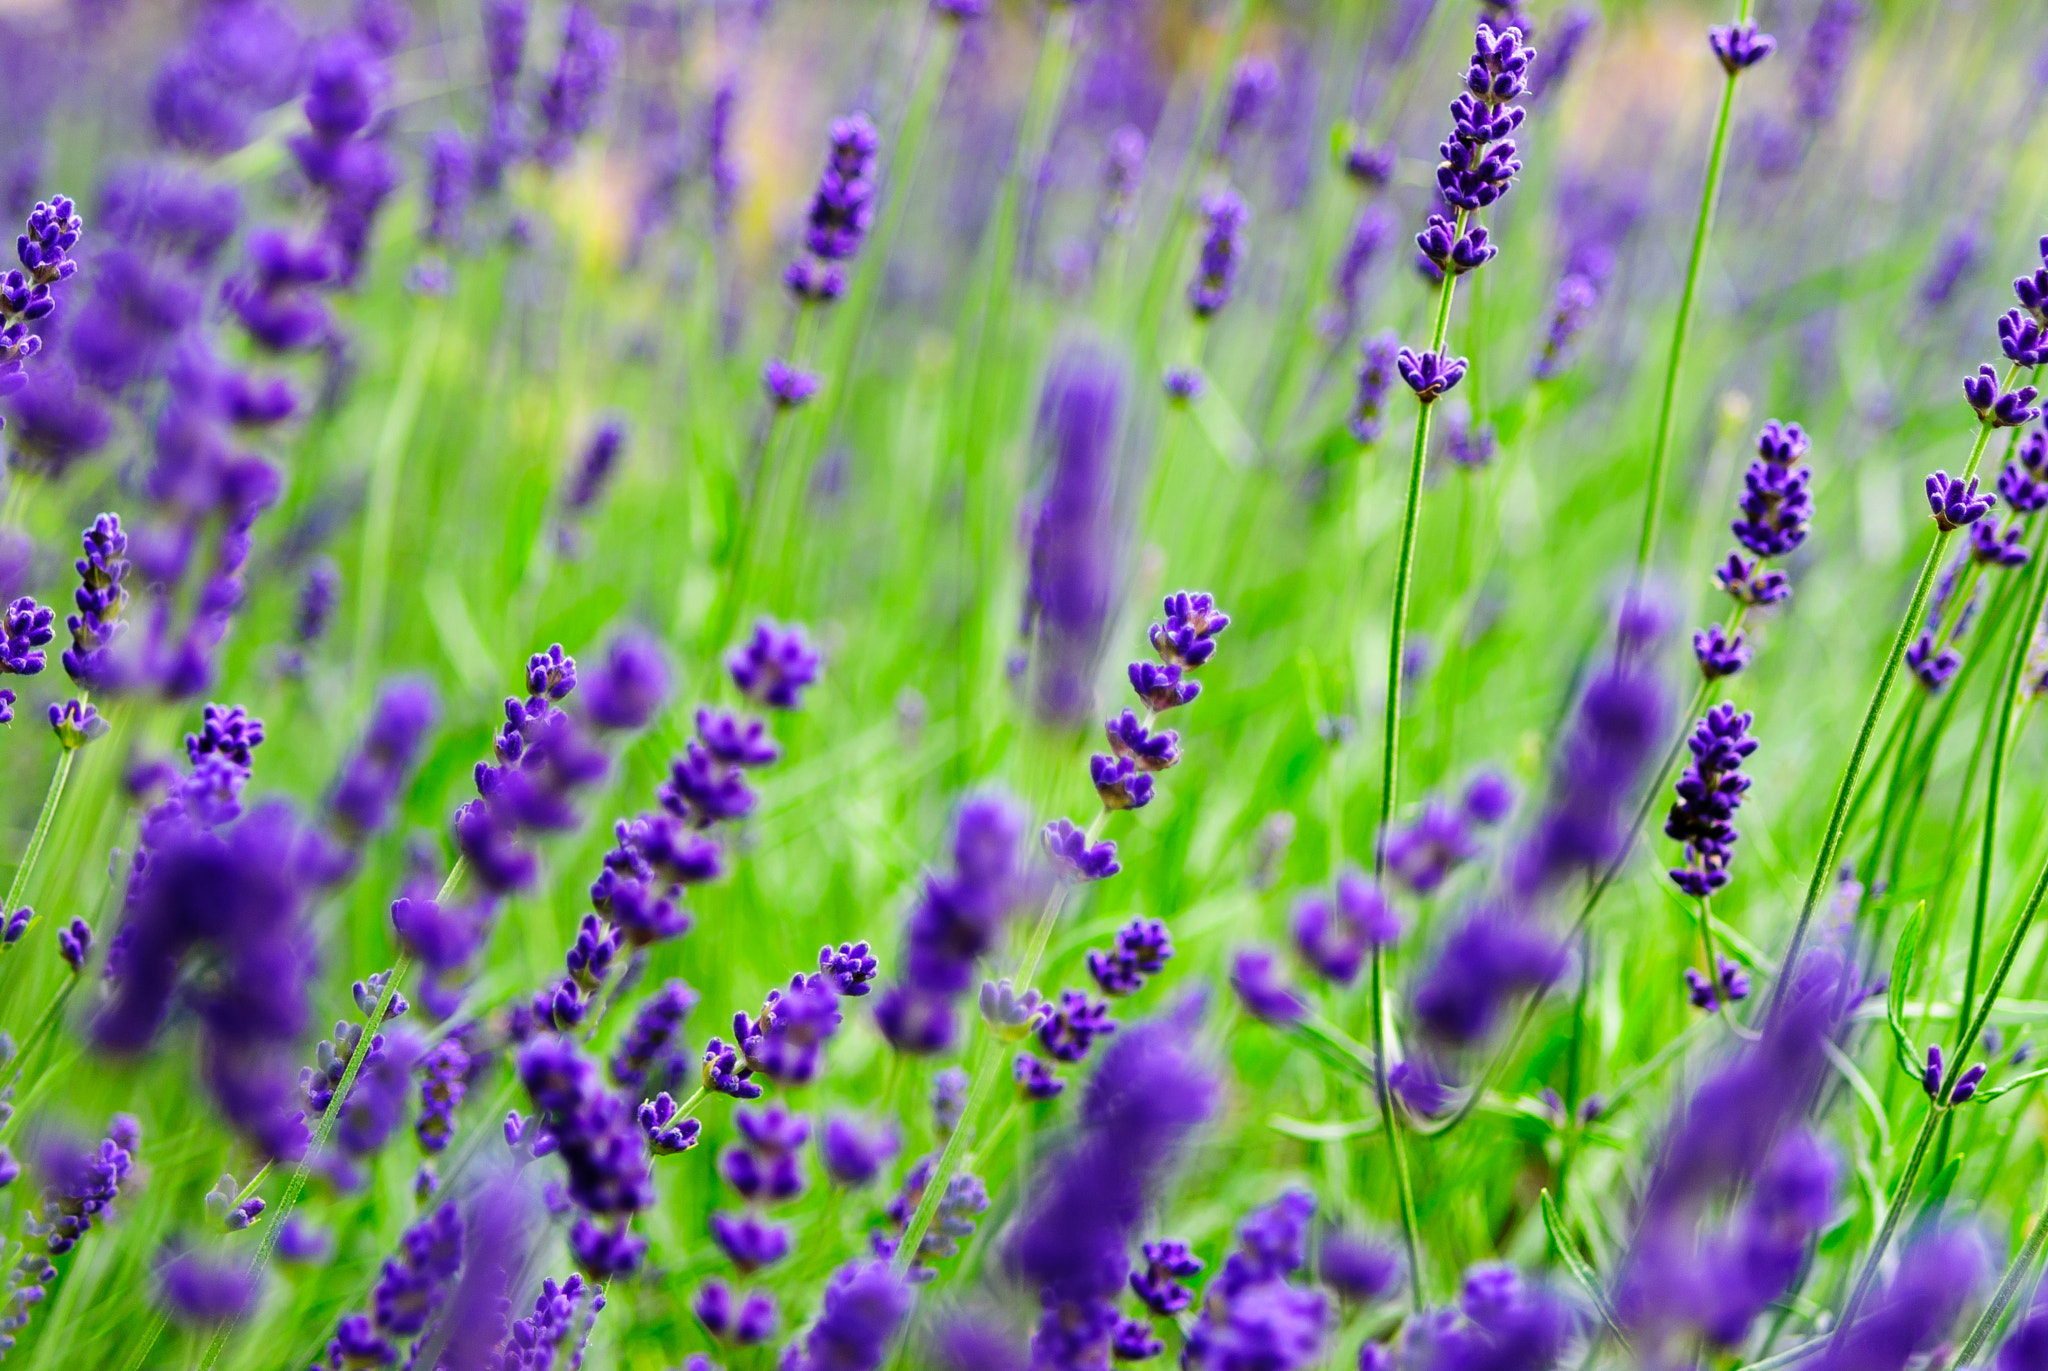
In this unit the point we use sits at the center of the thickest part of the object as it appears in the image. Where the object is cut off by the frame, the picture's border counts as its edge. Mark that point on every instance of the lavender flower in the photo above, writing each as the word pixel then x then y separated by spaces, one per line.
pixel 1955 503
pixel 444 1080
pixel 1720 653
pixel 1429 374
pixel 101 597
pixel 1139 950
pixel 594 468
pixel 1996 407
pixel 1931 667
pixel 583 72
pixel 1817 80
pixel 1075 536
pixel 1222 253
pixel 1262 989
pixel 1334 936
pixel 1253 84
pixel 1071 1241
pixel 1709 792
pixel 1739 46
pixel 1376 370
pixel 955 922
pixel 855 1150
pixel 2023 481
pixel 1071 851
pixel 1253 1314
pixel 865 1304
pixel 203 1291
pixel 775 666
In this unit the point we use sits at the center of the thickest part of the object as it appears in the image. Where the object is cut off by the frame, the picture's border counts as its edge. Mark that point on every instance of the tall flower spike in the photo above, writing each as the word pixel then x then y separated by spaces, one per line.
pixel 1375 378
pixel 1709 792
pixel 1996 407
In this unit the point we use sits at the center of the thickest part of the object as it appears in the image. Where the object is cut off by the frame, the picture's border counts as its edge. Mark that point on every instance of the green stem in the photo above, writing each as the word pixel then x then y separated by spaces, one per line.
pixel 1404 1187
pixel 321 1131
pixel 2006 704
pixel 1831 843
pixel 387 463
pixel 18 887
pixel 2015 1275
pixel 1717 158
pixel 1893 1210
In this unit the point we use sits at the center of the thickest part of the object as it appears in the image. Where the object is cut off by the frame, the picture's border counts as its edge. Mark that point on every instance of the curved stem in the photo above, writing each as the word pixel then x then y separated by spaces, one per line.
pixel 387 462
pixel 2006 703
pixel 297 1183
pixel 1904 1188
pixel 1831 843
pixel 2022 1263
pixel 1646 543
pixel 18 887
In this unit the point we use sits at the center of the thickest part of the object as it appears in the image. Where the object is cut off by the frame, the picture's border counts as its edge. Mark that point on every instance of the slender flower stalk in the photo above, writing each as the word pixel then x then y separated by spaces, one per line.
pixel 1955 503
pixel 1739 47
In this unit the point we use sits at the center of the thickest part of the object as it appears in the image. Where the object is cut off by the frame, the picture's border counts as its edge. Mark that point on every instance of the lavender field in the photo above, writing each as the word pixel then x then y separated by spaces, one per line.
pixel 1017 685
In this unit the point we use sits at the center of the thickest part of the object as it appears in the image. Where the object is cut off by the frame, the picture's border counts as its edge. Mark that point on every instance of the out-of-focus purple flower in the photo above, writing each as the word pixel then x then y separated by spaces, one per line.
pixel 955 922
pixel 1824 61
pixel 788 386
pixel 1076 536
pixel 1253 84
pixel 1335 935
pixel 865 1303
pixel 1123 174
pixel 1571 308
pixel 1424 852
pixel 1168 1262
pixel 203 1291
pixel 444 1080
pixel 1938 1274
pixel 595 1131
pixel 1931 667
pixel 1989 547
pixel 630 685
pixel 360 803
pixel 451 174
pixel 1359 1269
pixel 583 73
pixel 595 466
pixel 1183 385
pixel 1376 371
pixel 1262 987
pixel 1222 252
pixel 1561 46
pixel 1253 1314
pixel 775 666
pixel 1072 1240
pixel 854 1150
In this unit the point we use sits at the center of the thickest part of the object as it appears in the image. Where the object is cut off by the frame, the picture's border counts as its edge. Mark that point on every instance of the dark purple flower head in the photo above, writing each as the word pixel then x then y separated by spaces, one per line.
pixel 1931 667
pixel 736 741
pixel 1035 1078
pixel 1168 1262
pixel 1996 407
pixel 652 1054
pixel 1163 687
pixel 74 944
pixel 1747 582
pixel 668 1134
pixel 1956 503
pixel 1731 986
pixel 1429 374
pixel 2021 338
pixel 775 666
pixel 726 1074
pixel 25 628
pixel 1988 547
pixel 1262 987
pixel 1376 370
pixel 848 969
pixel 1119 782
pixel 1441 244
pixel 1139 950
pixel 2023 483
pixel 1720 654
pixel 1222 252
pixel 1068 1032
pixel 363 794
pixel 1740 46
pixel 1075 857
pixel 101 598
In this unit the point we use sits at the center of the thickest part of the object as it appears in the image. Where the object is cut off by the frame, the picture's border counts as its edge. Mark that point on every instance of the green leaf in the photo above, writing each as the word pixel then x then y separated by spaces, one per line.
pixel 1895 997
pixel 1986 1096
pixel 1553 1224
